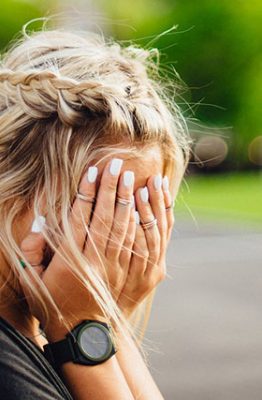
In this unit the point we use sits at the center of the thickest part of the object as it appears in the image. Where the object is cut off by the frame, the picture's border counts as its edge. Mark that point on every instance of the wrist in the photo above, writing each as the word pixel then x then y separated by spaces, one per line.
pixel 89 343
pixel 58 330
pixel 127 311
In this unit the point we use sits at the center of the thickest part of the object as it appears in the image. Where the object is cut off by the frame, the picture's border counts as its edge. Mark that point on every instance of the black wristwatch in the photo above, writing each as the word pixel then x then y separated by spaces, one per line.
pixel 88 343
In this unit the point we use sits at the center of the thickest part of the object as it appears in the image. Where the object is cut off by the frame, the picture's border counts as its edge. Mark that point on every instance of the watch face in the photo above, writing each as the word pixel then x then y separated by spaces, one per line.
pixel 94 341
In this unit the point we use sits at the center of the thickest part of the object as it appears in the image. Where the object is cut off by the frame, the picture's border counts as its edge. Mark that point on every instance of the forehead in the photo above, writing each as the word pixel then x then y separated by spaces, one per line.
pixel 148 162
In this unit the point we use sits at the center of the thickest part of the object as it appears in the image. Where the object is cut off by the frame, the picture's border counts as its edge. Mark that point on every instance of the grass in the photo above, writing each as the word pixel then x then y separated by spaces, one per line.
pixel 235 196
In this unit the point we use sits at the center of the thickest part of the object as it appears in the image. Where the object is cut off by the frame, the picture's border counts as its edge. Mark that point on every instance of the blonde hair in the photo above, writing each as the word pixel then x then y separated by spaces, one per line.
pixel 65 99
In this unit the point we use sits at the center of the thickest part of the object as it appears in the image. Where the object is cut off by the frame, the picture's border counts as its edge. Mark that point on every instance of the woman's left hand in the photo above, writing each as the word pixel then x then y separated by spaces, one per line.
pixel 147 265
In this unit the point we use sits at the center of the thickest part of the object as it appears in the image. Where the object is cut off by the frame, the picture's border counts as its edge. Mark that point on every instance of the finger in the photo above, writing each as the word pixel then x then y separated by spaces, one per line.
pixel 157 204
pixel 33 246
pixel 122 215
pixel 140 254
pixel 126 251
pixel 169 207
pixel 146 215
pixel 103 215
pixel 82 209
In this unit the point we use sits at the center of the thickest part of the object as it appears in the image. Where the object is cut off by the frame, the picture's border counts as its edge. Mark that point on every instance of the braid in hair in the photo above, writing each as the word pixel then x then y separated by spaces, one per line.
pixel 43 93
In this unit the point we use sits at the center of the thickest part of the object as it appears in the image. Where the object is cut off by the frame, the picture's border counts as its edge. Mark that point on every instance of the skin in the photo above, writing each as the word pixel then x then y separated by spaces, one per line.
pixel 152 164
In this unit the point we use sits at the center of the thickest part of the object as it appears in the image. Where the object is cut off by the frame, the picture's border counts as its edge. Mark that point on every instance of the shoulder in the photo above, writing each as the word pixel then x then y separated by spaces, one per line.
pixel 24 371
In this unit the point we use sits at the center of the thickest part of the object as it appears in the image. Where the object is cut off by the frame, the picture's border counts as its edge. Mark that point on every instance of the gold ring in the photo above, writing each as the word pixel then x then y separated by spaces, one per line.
pixel 124 202
pixel 147 225
pixel 85 198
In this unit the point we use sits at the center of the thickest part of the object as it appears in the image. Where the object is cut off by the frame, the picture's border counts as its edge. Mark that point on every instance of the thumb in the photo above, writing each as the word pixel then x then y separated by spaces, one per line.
pixel 33 245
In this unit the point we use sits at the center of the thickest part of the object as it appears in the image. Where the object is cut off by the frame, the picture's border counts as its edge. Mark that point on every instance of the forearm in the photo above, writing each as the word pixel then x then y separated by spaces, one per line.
pixel 102 381
pixel 136 373
pixel 96 382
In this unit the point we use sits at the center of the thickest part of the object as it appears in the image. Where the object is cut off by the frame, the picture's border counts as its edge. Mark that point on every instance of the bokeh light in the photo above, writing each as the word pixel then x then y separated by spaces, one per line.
pixel 210 151
pixel 255 151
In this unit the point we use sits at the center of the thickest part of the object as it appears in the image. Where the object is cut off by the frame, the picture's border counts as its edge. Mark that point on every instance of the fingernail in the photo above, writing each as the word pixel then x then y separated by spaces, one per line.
pixel 92 174
pixel 115 166
pixel 133 201
pixel 158 182
pixel 38 224
pixel 144 194
pixel 165 183
pixel 129 178
pixel 137 217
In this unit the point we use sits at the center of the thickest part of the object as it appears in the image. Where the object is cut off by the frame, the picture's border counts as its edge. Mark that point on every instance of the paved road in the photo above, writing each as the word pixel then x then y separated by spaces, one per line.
pixel 206 323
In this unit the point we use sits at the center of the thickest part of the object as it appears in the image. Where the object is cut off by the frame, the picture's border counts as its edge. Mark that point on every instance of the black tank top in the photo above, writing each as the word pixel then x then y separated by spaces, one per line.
pixel 25 373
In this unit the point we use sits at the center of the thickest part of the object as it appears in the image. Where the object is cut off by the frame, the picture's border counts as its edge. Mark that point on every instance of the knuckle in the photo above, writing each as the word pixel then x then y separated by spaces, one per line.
pixel 119 229
pixel 147 214
pixel 97 240
pixel 112 252
pixel 172 221
pixel 78 223
pixel 111 184
pixel 105 218
pixel 160 196
pixel 126 253
pixel 85 189
pixel 124 195
pixel 156 237
pixel 142 255
pixel 163 228
pixel 129 240
pixel 145 253
pixel 149 282
pixel 154 255
pixel 161 276
pixel 154 241
pixel 26 245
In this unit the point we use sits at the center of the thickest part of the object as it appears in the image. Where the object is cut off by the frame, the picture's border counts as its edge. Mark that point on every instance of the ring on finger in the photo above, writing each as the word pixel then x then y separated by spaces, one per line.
pixel 147 225
pixel 122 201
pixel 85 198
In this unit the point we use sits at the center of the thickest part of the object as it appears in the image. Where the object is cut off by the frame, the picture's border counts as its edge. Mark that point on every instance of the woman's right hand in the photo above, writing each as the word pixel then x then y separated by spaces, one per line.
pixel 111 226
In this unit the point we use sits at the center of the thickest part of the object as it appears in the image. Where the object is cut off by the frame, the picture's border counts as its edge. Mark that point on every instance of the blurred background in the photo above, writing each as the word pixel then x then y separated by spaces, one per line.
pixel 206 322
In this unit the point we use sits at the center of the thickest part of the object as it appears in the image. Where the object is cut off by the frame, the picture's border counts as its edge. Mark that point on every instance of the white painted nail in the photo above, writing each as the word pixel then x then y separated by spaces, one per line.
pixel 92 174
pixel 133 201
pixel 158 182
pixel 115 166
pixel 137 217
pixel 144 194
pixel 129 178
pixel 165 183
pixel 38 224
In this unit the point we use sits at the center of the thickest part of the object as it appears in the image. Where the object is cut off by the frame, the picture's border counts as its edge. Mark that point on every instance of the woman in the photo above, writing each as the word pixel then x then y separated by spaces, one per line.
pixel 92 153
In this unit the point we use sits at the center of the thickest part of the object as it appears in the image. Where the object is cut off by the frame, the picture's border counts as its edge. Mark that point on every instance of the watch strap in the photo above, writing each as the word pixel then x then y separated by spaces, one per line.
pixel 62 351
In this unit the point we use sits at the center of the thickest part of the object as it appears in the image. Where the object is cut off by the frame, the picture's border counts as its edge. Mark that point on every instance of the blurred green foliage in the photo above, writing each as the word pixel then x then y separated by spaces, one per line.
pixel 216 49
pixel 232 196
pixel 15 13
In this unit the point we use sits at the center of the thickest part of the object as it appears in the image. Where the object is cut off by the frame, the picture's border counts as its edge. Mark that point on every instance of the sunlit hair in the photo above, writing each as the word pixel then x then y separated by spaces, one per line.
pixel 65 100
